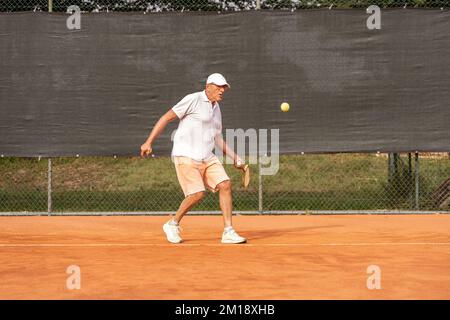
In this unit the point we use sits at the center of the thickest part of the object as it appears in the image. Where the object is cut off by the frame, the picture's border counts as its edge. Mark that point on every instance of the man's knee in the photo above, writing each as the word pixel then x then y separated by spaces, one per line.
pixel 198 196
pixel 224 185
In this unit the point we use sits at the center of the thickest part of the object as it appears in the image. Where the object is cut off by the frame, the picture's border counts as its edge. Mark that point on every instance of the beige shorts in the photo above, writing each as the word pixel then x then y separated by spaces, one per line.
pixel 193 175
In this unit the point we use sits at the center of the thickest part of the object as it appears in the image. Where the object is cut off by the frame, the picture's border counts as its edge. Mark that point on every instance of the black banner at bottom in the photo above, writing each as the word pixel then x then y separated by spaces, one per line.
pixel 223 309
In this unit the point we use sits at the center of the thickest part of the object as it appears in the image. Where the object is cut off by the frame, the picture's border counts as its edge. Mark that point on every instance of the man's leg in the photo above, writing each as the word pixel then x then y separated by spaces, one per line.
pixel 218 180
pixel 187 204
pixel 171 227
pixel 226 202
pixel 191 182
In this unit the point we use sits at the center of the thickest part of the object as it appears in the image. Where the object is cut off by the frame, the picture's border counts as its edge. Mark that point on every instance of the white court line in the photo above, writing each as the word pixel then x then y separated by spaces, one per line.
pixel 372 244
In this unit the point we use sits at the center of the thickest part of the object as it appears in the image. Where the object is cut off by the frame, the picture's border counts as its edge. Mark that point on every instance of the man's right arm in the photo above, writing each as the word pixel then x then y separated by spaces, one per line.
pixel 146 147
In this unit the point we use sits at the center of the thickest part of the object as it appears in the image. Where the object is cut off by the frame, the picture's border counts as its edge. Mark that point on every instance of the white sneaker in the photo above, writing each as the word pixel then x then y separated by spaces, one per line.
pixel 172 232
pixel 231 236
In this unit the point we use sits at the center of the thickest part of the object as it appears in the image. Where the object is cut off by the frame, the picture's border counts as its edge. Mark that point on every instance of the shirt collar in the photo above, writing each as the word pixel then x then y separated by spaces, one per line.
pixel 205 98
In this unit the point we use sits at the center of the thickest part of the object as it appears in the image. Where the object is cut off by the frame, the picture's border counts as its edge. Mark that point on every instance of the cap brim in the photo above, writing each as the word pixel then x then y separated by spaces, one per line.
pixel 220 84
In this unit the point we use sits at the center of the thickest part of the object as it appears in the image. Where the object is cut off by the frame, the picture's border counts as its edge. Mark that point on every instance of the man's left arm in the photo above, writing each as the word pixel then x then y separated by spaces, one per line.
pixel 228 151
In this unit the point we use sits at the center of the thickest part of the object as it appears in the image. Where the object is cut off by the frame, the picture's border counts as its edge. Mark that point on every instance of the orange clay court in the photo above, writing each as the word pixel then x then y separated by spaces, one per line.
pixel 287 257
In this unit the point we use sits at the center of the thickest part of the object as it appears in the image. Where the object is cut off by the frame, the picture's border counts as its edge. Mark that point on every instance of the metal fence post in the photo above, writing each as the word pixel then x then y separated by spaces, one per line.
pixel 409 165
pixel 416 170
pixel 50 5
pixel 49 186
pixel 391 162
pixel 260 188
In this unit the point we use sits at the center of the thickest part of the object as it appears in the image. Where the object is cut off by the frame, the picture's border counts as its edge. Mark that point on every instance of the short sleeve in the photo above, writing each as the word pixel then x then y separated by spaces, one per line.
pixel 184 107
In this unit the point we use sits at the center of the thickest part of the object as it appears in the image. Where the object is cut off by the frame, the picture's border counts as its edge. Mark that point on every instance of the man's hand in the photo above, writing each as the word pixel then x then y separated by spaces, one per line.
pixel 238 163
pixel 146 149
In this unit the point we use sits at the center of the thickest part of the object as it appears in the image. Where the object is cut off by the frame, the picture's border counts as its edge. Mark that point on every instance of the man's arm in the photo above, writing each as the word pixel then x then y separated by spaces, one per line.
pixel 228 151
pixel 146 147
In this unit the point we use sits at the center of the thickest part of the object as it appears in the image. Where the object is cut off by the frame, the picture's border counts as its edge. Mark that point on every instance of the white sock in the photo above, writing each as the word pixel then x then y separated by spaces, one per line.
pixel 227 229
pixel 173 223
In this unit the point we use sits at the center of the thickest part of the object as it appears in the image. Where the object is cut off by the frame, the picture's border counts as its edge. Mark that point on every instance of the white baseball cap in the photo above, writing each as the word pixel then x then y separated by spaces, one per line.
pixel 217 79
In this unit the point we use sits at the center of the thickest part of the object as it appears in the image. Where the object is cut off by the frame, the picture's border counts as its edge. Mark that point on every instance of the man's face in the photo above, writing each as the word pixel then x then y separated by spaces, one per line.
pixel 215 92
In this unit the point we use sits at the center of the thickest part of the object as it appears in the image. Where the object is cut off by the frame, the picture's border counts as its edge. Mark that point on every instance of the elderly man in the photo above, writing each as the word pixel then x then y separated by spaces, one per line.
pixel 196 165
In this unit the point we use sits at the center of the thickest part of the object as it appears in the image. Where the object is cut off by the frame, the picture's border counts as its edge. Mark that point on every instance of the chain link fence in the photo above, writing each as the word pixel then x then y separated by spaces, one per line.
pixel 207 5
pixel 326 182
pixel 304 183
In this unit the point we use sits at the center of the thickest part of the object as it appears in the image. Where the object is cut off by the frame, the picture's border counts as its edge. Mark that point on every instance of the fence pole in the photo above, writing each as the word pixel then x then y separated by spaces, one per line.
pixel 50 5
pixel 260 188
pixel 390 167
pixel 409 165
pixel 49 186
pixel 416 170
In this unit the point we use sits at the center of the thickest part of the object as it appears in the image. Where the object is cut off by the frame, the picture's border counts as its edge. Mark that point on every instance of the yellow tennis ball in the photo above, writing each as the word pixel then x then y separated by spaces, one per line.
pixel 284 107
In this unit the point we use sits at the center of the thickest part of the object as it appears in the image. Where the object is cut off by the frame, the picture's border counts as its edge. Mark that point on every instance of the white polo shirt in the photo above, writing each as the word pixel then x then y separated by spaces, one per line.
pixel 200 123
